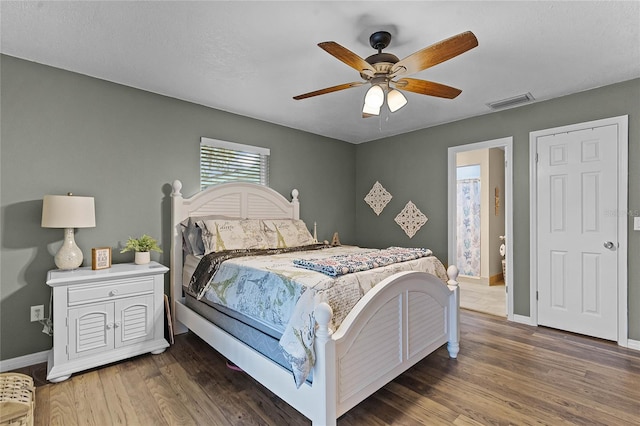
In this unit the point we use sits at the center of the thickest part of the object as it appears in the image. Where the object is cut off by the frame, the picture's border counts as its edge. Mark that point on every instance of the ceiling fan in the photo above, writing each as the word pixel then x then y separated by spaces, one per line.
pixel 386 73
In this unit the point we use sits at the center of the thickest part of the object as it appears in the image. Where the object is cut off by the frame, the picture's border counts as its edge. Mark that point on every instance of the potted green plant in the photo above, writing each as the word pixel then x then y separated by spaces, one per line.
pixel 142 247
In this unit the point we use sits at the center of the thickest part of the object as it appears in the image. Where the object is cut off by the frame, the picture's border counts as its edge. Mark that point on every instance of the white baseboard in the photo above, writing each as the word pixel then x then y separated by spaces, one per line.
pixel 23 361
pixel 633 344
pixel 522 319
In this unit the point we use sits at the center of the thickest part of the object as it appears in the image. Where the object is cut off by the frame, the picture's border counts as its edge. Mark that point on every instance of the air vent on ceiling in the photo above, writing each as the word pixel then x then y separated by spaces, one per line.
pixel 511 102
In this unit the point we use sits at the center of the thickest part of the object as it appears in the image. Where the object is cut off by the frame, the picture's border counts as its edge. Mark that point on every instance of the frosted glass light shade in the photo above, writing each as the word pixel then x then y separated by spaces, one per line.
pixel 368 110
pixel 395 100
pixel 374 97
pixel 68 211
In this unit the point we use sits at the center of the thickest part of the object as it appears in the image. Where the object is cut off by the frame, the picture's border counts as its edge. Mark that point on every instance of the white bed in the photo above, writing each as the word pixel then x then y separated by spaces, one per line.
pixel 424 313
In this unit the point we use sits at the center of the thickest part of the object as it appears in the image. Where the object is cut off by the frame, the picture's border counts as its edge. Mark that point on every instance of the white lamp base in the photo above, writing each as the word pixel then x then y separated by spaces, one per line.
pixel 69 256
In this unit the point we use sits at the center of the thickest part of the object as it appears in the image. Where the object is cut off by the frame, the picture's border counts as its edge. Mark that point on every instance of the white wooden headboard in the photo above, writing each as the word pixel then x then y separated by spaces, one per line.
pixel 242 200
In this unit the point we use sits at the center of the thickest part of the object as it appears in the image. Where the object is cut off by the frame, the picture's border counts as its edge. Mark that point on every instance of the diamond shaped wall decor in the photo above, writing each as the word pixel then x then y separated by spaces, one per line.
pixel 411 219
pixel 378 198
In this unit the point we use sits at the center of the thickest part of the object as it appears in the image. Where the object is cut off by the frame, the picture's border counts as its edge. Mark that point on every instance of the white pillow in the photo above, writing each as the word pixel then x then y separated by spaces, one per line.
pixel 286 233
pixel 232 234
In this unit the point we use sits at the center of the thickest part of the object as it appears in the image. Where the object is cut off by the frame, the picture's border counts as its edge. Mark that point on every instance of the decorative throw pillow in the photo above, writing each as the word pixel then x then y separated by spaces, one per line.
pixel 229 234
pixel 192 233
pixel 286 233
pixel 190 236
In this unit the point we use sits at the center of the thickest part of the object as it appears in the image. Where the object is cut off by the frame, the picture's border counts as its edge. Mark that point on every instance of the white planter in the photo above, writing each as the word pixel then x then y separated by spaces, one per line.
pixel 142 257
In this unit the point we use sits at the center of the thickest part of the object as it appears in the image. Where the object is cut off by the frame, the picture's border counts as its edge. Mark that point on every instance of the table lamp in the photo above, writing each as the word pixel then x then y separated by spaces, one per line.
pixel 68 212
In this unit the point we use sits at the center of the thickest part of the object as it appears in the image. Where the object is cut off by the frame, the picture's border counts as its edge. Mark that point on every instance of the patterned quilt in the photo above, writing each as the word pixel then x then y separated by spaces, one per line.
pixel 275 292
pixel 350 263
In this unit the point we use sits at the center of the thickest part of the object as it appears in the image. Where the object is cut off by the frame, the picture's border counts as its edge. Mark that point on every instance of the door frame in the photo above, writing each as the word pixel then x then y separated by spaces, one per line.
pixel 621 213
pixel 506 144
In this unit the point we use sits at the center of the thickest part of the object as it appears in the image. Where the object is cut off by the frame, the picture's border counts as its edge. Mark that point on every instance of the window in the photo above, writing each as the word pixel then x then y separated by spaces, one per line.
pixel 222 162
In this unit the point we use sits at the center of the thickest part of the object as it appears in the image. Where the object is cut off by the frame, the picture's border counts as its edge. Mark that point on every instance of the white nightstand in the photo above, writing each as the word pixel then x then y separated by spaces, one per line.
pixel 105 315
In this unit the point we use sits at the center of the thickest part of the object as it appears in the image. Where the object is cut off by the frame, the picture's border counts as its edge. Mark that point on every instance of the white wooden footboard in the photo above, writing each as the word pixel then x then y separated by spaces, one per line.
pixel 398 323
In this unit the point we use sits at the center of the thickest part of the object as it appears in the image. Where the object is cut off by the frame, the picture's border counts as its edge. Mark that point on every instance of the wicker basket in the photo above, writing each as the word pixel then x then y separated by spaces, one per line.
pixel 17 399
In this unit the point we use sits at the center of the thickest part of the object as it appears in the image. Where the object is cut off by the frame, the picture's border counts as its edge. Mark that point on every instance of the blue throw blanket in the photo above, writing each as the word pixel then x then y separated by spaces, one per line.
pixel 345 264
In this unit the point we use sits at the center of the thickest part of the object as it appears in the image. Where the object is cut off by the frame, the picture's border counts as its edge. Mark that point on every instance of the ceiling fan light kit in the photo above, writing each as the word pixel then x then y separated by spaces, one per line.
pixel 374 99
pixel 395 100
pixel 370 111
pixel 374 96
pixel 380 69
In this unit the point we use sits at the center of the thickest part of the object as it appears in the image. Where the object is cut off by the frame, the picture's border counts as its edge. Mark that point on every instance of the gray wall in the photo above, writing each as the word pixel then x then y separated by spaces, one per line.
pixel 64 132
pixel 413 167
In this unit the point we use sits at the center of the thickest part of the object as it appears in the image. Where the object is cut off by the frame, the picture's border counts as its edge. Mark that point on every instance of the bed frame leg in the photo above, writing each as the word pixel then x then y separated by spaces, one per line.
pixel 454 312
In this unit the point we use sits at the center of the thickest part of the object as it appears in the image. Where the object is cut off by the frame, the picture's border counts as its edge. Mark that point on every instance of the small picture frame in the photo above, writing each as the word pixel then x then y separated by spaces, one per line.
pixel 100 258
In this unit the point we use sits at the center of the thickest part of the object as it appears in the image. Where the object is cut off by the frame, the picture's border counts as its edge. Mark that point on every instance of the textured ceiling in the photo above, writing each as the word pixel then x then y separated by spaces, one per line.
pixel 250 58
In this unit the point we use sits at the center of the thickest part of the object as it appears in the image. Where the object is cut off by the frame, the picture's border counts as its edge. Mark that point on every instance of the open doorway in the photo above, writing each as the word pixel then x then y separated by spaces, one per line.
pixel 480 208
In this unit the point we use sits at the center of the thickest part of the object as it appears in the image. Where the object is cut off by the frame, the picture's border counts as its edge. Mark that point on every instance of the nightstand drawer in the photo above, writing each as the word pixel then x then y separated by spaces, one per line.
pixel 114 289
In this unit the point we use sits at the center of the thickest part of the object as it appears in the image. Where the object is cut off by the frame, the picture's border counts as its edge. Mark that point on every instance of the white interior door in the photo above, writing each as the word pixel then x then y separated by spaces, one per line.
pixel 577 231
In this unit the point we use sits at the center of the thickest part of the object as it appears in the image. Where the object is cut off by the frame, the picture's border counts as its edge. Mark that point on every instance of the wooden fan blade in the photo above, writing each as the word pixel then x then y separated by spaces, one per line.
pixel 435 54
pixel 329 90
pixel 348 57
pixel 425 87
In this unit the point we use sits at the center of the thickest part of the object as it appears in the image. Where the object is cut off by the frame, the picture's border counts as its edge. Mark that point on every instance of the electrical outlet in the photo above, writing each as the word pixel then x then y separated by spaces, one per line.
pixel 636 223
pixel 37 313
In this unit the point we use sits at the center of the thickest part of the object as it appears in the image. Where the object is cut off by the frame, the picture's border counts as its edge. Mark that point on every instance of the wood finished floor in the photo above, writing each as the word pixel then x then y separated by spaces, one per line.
pixel 506 373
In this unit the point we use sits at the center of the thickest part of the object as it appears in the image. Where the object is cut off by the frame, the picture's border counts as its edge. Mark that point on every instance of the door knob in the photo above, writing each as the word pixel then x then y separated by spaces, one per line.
pixel 608 245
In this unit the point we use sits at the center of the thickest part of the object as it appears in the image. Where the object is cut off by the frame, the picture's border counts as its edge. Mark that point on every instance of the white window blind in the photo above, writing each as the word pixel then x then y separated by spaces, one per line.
pixel 222 161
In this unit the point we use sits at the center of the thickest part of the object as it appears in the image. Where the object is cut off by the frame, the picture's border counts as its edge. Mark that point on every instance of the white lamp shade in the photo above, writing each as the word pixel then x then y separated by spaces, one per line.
pixel 374 97
pixel 395 100
pixel 68 211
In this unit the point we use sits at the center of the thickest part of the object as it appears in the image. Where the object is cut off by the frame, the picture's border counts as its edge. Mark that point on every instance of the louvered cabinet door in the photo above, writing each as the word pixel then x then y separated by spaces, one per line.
pixel 133 320
pixel 94 329
pixel 90 330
